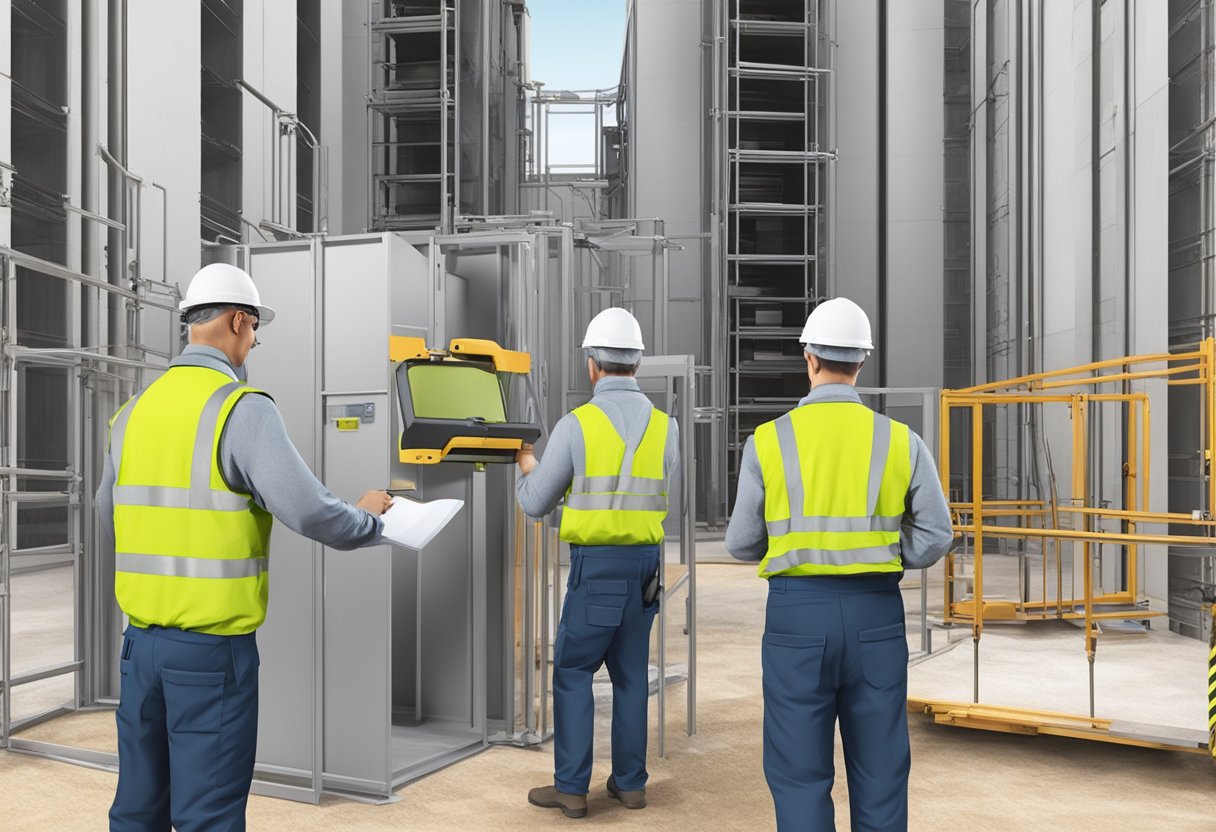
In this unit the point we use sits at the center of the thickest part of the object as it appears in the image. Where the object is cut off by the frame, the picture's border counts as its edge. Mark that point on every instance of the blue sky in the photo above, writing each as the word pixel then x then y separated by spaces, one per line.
pixel 576 45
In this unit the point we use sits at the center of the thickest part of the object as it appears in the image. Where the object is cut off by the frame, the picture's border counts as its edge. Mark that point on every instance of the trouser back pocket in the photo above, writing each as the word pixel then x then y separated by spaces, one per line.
pixel 884 656
pixel 194 701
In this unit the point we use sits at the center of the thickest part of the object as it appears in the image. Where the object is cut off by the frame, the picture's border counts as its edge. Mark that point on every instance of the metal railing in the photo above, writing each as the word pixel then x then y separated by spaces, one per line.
pixel 84 363
pixel 284 128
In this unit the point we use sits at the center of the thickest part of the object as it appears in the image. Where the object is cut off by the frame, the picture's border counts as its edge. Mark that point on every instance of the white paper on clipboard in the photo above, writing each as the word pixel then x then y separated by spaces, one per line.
pixel 414 524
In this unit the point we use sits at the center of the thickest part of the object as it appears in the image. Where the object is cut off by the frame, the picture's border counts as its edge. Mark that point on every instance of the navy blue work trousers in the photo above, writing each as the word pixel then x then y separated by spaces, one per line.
pixel 603 622
pixel 187 731
pixel 834 648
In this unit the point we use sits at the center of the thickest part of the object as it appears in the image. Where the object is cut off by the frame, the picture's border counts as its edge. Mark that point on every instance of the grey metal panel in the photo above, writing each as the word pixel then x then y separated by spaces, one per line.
pixel 358 585
pixel 163 111
pixel 446 613
pixel 482 271
pixel 1150 229
pixel 410 271
pixel 358 591
pixel 344 90
pixel 357 309
pixel 290 673
pixel 457 308
pixel 666 123
pixel 855 112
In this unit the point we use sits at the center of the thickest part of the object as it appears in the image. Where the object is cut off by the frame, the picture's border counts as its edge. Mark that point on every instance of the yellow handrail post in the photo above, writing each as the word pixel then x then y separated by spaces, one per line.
pixel 977 520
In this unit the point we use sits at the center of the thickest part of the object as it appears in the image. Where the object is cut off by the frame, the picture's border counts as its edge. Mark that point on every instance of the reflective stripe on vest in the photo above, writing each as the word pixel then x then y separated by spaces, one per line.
pixel 190 552
pixel 835 477
pixel 618 496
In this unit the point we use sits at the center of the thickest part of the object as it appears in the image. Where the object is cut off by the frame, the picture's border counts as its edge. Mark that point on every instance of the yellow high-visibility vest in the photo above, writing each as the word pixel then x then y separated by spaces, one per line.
pixel 618 496
pixel 189 551
pixel 836 475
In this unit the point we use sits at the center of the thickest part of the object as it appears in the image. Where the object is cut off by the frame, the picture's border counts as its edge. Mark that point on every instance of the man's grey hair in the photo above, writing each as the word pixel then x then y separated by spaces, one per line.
pixel 614 360
pixel 845 355
pixel 207 314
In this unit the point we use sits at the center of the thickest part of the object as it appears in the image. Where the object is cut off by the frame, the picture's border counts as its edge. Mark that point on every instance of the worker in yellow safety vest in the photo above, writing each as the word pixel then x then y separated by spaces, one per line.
pixel 611 460
pixel 198 464
pixel 835 501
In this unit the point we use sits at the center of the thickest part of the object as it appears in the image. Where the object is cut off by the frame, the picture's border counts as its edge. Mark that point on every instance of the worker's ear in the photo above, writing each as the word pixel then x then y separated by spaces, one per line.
pixel 812 363
pixel 236 321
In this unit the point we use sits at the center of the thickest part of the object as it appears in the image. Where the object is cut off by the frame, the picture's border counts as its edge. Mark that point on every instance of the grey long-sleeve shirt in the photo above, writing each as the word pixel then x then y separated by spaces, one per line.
pixel 926 533
pixel 627 407
pixel 257 458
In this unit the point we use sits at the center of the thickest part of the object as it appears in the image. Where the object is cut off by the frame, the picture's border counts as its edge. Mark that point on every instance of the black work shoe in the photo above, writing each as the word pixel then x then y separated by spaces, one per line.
pixel 635 799
pixel 548 797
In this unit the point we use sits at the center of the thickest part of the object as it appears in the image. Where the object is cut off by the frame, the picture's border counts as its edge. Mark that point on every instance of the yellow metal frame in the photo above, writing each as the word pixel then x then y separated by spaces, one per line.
pixel 409 348
pixel 1033 723
pixel 983 519
pixel 433 456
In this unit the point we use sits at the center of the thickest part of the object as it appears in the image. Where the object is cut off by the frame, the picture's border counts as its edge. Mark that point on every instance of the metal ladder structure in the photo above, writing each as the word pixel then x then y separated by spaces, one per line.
pixel 774 159
pixel 414 60
pixel 92 380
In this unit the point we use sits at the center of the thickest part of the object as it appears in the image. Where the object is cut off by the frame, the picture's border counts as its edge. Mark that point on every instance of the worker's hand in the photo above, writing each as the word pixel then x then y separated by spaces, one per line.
pixel 375 502
pixel 526 459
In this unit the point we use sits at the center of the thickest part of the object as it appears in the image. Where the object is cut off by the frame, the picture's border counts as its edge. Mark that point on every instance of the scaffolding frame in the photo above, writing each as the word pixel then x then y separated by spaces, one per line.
pixel 980 520
pixel 86 366
pixel 764 58
pixel 1192 266
pixel 413 159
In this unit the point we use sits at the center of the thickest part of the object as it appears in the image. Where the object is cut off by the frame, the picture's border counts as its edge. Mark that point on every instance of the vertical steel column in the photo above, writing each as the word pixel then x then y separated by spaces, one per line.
pixel 528 642
pixel 487 31
pixel 445 196
pixel 373 50
pixel 689 535
pixel 117 145
pixel 979 187
pixel 477 616
pixel 719 345
pixel 977 519
pixel 8 534
pixel 316 552
pixel 452 212
pixel 883 167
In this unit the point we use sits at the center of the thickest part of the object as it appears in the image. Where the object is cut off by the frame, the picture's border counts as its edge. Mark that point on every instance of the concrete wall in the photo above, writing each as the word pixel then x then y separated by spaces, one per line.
pixel 854 250
pixel 344 90
pixel 915 180
pixel 1149 194
pixel 667 119
pixel 163 106
pixel 911 346
pixel 1067 205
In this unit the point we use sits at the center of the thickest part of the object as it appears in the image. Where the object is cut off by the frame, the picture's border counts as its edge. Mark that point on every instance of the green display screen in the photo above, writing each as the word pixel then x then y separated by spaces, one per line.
pixel 456 391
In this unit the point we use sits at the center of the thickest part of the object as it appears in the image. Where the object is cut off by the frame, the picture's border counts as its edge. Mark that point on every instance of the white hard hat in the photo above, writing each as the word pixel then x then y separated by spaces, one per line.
pixel 838 323
pixel 221 283
pixel 616 328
